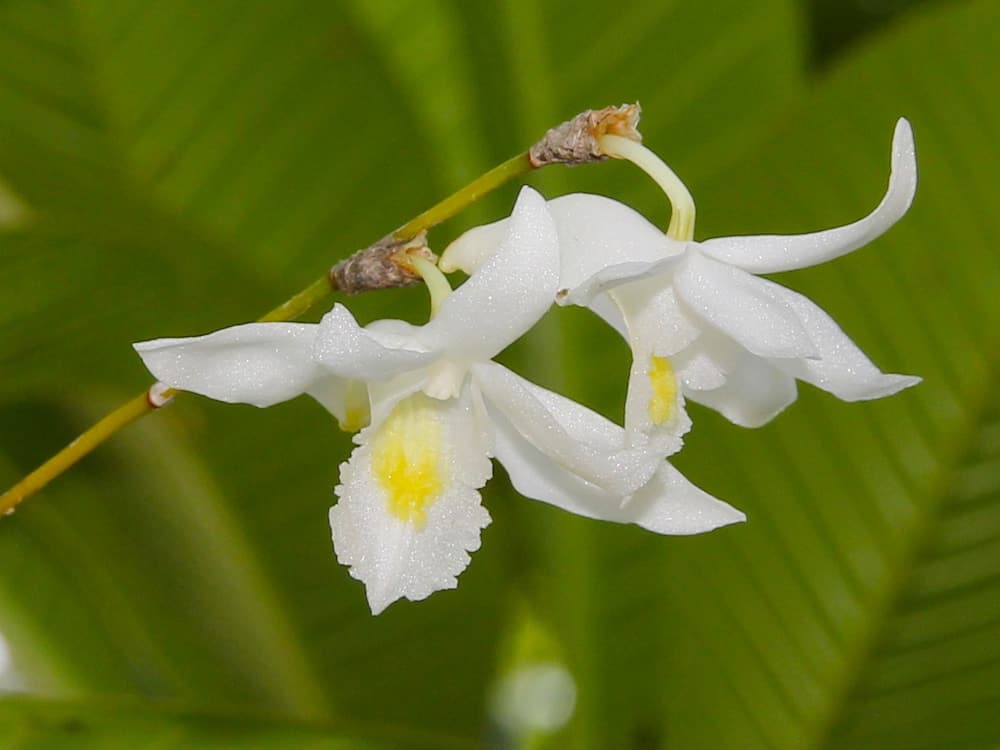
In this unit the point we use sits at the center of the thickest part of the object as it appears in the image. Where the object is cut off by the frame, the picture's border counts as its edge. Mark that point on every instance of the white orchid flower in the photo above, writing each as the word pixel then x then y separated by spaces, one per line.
pixel 409 508
pixel 698 320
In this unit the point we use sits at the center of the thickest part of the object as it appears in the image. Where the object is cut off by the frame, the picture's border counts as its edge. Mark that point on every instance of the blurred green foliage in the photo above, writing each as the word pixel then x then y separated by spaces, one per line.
pixel 171 168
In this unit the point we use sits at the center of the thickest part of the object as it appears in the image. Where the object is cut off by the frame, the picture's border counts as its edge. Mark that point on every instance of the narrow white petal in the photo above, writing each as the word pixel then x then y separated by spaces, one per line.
pixel 570 435
pixel 749 310
pixel 347 350
pixel 257 363
pixel 841 368
pixel 753 394
pixel 771 253
pixel 667 504
pixel 670 504
pixel 409 511
pixel 508 294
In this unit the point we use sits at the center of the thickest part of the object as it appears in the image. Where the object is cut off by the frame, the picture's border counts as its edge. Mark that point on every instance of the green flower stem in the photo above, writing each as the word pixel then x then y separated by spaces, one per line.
pixel 455 203
pixel 124 415
pixel 312 295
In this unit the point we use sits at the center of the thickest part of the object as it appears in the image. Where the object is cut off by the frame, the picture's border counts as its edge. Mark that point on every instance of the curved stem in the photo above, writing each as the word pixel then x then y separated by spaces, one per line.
pixel 682 216
pixel 292 308
pixel 124 415
pixel 453 204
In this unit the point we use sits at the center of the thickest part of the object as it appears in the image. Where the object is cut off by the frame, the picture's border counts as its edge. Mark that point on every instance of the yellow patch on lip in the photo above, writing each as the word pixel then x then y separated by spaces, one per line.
pixel 664 384
pixel 406 459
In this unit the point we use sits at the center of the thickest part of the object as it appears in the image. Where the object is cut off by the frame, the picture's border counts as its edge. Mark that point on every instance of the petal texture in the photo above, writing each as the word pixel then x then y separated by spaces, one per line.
pixel 571 436
pixel 257 363
pixel 841 368
pixel 347 350
pixel 754 393
pixel 597 233
pixel 749 310
pixel 509 292
pixel 409 511
pixel 666 504
pixel 771 253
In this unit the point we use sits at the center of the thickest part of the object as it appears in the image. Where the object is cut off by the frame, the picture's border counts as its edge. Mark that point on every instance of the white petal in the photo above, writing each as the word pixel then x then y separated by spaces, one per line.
pixel 409 511
pixel 572 436
pixel 771 253
pixel 841 368
pixel 611 278
pixel 347 400
pixel 597 233
pixel 257 363
pixel 473 247
pixel 347 350
pixel 754 393
pixel 667 504
pixel 509 292
pixel 654 404
pixel 749 310
pixel 603 243
pixel 670 504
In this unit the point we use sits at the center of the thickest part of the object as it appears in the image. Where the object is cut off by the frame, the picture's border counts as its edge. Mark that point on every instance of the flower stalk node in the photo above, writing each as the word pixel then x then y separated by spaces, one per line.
pixel 576 141
pixel 160 394
pixel 383 265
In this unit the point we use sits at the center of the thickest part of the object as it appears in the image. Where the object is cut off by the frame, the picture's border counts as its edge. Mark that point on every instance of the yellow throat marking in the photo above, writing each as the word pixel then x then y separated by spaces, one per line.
pixel 406 459
pixel 664 385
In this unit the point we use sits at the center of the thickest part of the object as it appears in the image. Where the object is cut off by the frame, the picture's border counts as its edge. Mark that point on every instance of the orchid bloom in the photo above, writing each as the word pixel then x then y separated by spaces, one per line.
pixel 700 324
pixel 409 509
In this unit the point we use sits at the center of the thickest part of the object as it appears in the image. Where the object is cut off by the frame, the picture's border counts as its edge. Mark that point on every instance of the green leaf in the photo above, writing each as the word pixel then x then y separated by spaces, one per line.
pixel 185 166
pixel 28 724
pixel 856 607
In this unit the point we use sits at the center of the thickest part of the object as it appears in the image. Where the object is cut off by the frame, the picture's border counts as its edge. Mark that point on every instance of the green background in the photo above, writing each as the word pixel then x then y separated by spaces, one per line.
pixel 171 168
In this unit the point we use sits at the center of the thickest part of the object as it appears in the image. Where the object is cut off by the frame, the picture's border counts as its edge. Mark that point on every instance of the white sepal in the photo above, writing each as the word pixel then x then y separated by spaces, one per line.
pixel 509 292
pixel 570 434
pixel 345 349
pixel 748 309
pixel 666 504
pixel 773 253
pixel 841 367
pixel 257 363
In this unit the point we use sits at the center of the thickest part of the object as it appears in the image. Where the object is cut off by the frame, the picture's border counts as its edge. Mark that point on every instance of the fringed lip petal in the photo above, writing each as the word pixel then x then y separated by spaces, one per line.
pixel 773 253
pixel 745 308
pixel 409 511
pixel 509 292
pixel 257 363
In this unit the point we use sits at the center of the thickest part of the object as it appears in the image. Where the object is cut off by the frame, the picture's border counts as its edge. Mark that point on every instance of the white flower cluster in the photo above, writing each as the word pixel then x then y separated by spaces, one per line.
pixel 433 408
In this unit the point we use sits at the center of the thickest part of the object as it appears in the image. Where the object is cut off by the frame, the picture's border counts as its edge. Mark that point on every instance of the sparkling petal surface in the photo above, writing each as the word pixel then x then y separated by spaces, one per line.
pixel 751 311
pixel 257 363
pixel 397 557
pixel 772 253
pixel 509 292
pixel 345 349
pixel 666 504
pixel 841 368
pixel 579 440
pixel 755 392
